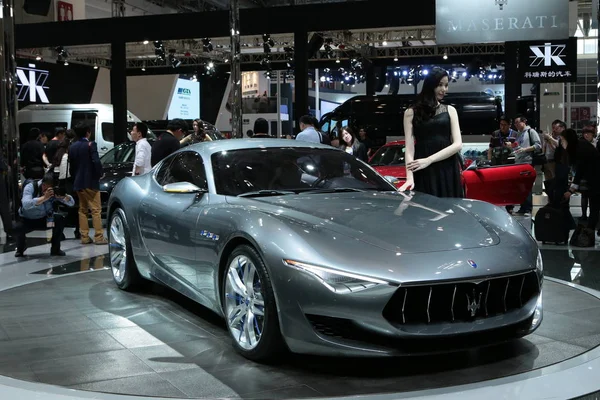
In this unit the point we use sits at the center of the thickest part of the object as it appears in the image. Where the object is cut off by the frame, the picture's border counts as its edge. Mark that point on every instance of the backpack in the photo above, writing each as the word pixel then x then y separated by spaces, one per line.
pixel 324 138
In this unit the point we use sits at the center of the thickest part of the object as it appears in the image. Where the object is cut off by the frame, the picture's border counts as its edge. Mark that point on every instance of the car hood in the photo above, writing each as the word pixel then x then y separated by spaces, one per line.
pixel 390 221
pixel 397 171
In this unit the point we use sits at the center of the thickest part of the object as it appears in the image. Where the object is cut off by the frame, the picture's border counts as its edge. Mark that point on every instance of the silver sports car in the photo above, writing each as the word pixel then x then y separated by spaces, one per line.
pixel 301 246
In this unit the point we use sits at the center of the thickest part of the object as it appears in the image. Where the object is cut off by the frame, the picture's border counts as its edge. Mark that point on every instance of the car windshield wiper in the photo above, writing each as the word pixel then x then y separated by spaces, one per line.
pixel 264 193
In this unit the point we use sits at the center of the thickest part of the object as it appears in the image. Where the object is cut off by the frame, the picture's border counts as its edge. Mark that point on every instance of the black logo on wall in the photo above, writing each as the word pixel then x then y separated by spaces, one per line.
pixel 47 83
pixel 501 4
pixel 548 61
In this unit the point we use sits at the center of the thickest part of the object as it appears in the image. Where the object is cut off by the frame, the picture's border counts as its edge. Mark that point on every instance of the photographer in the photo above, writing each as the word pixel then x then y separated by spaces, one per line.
pixel 39 212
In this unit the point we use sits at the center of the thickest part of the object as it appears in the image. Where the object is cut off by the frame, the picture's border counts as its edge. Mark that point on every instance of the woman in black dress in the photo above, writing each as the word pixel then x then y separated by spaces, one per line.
pixel 433 141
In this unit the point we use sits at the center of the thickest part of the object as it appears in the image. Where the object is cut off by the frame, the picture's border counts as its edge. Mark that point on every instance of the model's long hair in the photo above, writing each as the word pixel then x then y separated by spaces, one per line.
pixel 426 103
pixel 570 136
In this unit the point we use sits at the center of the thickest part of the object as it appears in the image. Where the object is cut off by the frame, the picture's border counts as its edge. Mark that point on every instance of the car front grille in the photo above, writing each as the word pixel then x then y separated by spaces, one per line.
pixel 461 301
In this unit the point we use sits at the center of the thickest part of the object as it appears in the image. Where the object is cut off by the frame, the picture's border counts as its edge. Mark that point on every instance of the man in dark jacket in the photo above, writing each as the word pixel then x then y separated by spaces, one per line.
pixel 87 170
pixel 168 142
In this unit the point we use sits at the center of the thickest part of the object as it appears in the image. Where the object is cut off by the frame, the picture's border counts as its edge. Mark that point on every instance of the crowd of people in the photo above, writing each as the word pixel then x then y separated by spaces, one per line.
pixel 64 169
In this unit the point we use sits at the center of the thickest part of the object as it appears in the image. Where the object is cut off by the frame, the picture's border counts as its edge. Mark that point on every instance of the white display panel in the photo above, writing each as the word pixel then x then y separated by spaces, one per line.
pixel 328 106
pixel 185 102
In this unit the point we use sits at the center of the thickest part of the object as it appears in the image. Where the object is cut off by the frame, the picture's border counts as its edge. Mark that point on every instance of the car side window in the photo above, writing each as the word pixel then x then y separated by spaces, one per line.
pixel 185 167
pixel 163 176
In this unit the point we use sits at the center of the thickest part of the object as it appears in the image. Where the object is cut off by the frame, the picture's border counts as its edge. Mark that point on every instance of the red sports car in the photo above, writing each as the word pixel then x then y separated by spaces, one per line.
pixel 501 185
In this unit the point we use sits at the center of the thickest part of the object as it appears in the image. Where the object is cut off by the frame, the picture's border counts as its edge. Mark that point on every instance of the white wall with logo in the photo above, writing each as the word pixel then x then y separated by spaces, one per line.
pixel 148 97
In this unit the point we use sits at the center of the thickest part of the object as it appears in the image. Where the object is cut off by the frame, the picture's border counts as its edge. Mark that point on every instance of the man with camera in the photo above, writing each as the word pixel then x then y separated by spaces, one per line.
pixel 39 211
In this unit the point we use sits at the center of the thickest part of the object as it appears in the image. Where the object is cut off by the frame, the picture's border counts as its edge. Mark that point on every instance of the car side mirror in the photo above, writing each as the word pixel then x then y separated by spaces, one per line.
pixel 182 187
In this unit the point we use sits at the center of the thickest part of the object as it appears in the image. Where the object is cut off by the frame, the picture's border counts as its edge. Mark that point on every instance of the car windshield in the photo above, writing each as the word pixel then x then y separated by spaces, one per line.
pixel 389 155
pixel 122 153
pixel 288 170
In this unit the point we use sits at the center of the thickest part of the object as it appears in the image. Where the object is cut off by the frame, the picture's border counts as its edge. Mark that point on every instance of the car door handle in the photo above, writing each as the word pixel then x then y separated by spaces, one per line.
pixel 525 173
pixel 103 148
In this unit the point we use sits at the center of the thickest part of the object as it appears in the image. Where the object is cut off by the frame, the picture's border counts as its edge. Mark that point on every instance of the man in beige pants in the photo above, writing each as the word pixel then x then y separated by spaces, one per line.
pixel 86 169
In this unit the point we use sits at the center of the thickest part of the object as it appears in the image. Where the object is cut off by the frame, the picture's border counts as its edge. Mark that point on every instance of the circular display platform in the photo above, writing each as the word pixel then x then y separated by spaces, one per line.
pixel 80 331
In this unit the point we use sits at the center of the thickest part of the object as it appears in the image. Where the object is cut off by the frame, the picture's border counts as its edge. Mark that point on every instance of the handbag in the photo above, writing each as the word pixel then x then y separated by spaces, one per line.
pixel 583 237
pixel 537 158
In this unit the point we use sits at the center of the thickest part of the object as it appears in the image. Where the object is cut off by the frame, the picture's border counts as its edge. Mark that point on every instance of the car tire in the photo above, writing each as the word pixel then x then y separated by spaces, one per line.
pixel 270 345
pixel 122 265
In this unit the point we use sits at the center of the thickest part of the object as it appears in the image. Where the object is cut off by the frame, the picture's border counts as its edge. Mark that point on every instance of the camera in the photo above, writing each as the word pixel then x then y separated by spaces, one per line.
pixel 59 191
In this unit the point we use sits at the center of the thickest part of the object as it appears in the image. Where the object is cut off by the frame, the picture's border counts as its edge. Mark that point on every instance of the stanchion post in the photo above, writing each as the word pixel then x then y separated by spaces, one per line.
pixel 236 70
pixel 10 143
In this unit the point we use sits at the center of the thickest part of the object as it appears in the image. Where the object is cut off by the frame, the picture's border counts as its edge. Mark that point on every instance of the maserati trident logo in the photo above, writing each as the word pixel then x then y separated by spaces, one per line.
pixel 32 84
pixel 501 3
pixel 547 54
pixel 473 303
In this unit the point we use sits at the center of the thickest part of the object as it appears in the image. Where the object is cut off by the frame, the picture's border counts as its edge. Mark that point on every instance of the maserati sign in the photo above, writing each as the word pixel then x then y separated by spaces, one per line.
pixel 484 21
pixel 548 61
pixel 32 84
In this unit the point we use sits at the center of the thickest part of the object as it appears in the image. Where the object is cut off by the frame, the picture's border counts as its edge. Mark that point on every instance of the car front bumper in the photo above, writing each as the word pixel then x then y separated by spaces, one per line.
pixel 369 322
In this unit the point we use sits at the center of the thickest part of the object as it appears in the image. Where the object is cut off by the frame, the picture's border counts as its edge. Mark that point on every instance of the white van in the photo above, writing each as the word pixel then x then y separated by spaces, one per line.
pixel 47 117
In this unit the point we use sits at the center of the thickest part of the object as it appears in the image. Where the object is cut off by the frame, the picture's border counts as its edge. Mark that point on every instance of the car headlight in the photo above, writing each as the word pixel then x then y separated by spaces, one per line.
pixel 539 264
pixel 334 280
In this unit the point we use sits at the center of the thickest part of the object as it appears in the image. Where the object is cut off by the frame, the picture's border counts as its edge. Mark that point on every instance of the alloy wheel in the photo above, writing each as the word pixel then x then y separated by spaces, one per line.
pixel 244 302
pixel 118 248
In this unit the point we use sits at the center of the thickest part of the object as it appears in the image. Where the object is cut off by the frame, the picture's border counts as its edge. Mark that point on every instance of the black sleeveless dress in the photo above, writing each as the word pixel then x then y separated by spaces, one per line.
pixel 442 178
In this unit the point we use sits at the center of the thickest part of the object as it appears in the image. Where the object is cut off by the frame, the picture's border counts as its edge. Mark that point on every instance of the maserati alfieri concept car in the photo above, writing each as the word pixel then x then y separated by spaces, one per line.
pixel 303 247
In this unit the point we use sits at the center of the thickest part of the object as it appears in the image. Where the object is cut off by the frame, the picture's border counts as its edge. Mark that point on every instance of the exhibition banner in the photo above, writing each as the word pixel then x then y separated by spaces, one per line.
pixel 548 61
pixel 185 101
pixel 485 21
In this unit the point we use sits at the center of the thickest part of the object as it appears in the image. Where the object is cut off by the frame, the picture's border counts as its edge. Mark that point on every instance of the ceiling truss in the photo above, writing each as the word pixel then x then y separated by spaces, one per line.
pixel 374 44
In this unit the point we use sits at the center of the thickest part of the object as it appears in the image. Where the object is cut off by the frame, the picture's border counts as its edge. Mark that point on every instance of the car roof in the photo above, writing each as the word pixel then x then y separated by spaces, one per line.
pixel 240 144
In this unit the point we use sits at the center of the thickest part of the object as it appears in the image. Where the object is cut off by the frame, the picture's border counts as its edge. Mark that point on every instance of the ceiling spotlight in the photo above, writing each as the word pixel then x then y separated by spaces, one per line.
pixel 61 52
pixel 175 62
pixel 207 45
pixel 38 58
pixel 66 63
pixel 95 66
pixel 145 42
pixel 267 40
pixel 445 56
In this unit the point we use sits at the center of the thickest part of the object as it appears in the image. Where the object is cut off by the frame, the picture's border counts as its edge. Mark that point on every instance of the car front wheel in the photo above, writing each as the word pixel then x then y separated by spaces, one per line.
pixel 249 306
pixel 122 265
